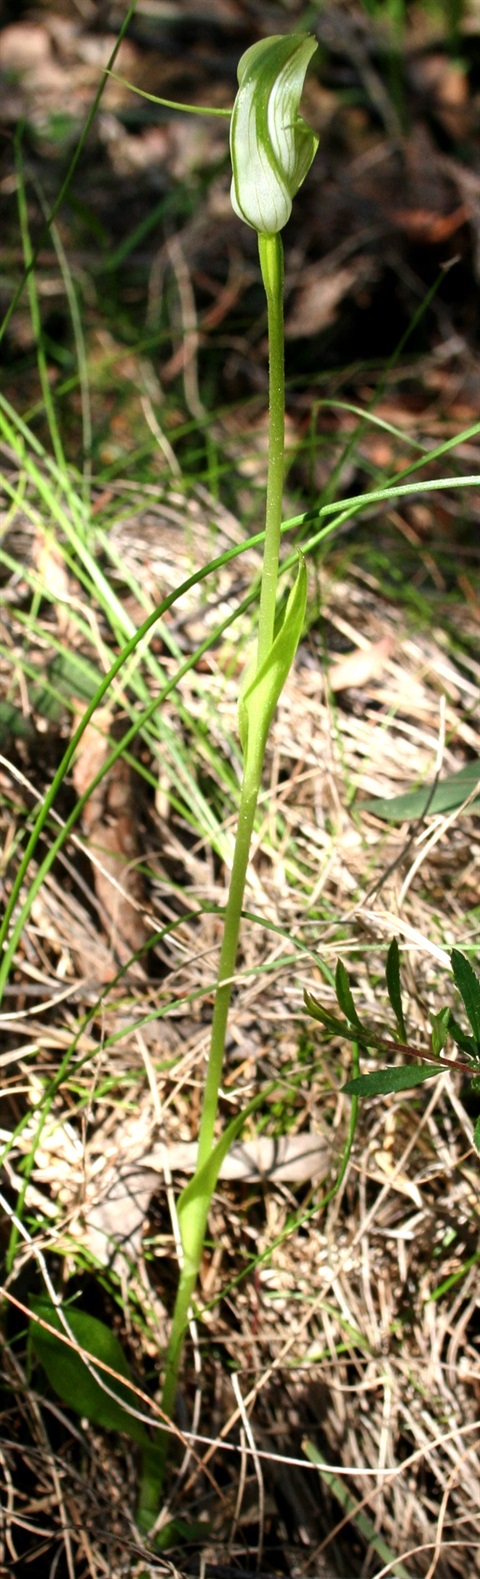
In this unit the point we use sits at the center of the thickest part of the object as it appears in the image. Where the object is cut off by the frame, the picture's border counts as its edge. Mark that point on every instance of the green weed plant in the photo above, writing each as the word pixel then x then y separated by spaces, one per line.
pixel 426 1062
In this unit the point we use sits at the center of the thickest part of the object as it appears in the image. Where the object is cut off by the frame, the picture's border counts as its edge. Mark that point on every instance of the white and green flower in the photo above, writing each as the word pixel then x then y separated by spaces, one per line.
pixel 271 147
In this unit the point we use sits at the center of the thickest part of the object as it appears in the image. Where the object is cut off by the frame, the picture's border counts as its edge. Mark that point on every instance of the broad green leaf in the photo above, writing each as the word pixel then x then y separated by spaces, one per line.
pixel 74 1383
pixel 383 1081
pixel 429 800
pixel 469 988
pixel 71 1377
pixel 393 986
pixel 261 689
pixel 344 995
pixel 440 1030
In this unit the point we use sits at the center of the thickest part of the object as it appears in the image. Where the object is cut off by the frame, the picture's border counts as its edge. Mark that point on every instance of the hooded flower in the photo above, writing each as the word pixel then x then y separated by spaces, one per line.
pixel 271 147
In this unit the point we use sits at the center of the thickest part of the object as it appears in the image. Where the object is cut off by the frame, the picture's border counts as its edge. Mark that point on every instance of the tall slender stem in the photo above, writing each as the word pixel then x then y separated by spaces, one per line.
pixel 271 261
pixel 270 250
pixel 228 954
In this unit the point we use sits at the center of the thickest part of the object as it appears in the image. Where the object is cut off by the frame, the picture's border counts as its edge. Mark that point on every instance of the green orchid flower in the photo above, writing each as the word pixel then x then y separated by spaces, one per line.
pixel 271 147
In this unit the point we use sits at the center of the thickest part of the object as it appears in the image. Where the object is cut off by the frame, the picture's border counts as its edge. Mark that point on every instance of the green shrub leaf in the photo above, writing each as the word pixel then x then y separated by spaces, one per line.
pixel 469 988
pixel 328 1020
pixel 383 1081
pixel 440 1029
pixel 344 995
pixel 394 987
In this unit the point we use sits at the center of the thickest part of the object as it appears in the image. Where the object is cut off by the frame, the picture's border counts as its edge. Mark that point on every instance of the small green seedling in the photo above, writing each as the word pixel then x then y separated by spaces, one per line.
pixel 428 1061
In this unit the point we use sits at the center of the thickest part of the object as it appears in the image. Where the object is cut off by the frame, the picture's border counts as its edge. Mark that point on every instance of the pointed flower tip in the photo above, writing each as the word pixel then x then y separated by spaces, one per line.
pixel 271 146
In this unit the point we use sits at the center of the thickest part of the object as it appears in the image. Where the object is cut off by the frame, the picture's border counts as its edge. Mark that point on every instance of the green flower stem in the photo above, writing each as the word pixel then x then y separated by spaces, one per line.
pixel 199 1207
pixel 270 250
pixel 228 954
pixel 271 260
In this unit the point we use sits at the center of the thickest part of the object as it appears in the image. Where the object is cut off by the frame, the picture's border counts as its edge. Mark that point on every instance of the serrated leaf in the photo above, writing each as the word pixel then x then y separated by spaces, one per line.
pixel 72 1379
pixel 469 988
pixel 430 799
pixel 367 1036
pixel 476 1135
pixel 262 687
pixel 394 987
pixel 383 1081
pixel 345 996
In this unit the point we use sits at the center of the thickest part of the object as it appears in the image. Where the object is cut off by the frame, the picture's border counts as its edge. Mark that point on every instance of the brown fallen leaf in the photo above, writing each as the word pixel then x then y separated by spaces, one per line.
pixel 425 225
pixel 114 1225
pixel 361 665
pixel 320 295
pixel 110 826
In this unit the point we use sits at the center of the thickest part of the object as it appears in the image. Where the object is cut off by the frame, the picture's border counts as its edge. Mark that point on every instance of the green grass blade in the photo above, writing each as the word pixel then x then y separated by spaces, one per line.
pixel 349 1504
pixel 35 314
